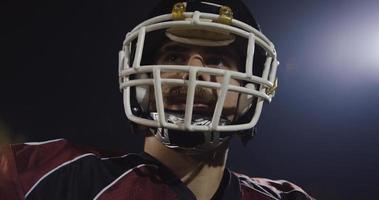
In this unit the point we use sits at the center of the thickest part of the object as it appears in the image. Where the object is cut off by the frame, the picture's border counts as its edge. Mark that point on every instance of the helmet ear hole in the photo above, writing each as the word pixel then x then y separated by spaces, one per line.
pixel 245 101
pixel 259 60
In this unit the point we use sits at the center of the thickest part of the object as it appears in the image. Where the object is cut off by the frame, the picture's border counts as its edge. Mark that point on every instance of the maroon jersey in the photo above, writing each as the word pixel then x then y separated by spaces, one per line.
pixel 60 170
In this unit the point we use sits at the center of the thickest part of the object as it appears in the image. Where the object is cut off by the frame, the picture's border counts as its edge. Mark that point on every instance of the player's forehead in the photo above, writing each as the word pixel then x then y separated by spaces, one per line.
pixel 172 46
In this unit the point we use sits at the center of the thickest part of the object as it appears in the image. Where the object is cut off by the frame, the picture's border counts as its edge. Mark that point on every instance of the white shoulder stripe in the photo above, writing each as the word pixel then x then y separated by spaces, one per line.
pixel 115 181
pixel 44 142
pixel 55 169
pixel 281 182
pixel 250 183
pixel 115 157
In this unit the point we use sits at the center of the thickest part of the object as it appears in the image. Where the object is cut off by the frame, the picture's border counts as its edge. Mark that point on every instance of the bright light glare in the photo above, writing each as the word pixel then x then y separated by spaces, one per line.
pixel 348 45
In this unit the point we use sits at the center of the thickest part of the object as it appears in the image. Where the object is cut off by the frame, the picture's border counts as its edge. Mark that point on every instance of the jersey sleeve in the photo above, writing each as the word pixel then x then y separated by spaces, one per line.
pixel 9 182
pixel 263 188
pixel 23 166
pixel 284 189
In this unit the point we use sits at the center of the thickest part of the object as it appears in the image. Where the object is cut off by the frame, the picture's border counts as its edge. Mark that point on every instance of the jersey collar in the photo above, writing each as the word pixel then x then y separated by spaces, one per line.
pixel 229 187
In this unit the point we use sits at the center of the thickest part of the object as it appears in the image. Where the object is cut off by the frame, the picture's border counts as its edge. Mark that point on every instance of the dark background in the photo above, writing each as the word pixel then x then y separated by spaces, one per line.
pixel 58 78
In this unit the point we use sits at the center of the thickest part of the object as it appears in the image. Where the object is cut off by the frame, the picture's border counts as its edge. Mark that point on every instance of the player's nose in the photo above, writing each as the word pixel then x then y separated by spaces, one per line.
pixel 198 61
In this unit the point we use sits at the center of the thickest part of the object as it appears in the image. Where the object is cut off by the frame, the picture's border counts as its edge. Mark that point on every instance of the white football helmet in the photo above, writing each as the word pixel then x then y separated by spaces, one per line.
pixel 202 23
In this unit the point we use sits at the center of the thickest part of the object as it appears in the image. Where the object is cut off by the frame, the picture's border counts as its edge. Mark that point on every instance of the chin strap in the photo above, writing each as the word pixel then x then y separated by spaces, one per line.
pixel 247 136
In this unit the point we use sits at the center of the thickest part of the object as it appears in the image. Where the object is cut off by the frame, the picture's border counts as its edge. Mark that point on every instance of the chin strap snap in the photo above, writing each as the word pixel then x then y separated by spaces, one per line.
pixel 178 11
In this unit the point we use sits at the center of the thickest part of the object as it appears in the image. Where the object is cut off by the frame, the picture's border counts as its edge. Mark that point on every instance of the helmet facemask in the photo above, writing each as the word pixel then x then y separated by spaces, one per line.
pixel 147 88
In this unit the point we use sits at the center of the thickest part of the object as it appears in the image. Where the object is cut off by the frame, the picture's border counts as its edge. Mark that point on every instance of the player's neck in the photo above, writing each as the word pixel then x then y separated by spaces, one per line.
pixel 201 174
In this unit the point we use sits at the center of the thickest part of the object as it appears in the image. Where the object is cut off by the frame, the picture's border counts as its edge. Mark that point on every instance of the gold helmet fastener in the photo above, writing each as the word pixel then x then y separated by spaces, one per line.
pixel 178 10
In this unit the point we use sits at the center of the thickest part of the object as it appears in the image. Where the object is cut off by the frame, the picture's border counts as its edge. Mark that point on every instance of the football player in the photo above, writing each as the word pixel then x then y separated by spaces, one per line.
pixel 193 75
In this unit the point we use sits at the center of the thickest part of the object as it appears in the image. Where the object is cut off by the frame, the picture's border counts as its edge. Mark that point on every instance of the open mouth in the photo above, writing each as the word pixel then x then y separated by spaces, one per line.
pixel 198 108
pixel 204 101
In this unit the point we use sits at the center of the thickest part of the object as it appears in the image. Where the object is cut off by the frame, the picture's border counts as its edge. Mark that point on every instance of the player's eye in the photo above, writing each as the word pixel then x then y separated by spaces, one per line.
pixel 174 59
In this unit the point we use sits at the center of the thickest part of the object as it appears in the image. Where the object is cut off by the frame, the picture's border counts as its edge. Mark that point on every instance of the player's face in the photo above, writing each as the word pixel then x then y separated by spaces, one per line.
pixel 173 53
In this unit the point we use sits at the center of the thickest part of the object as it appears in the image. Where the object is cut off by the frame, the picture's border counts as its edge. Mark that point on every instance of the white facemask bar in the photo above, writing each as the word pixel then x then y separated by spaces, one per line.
pixel 198 20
